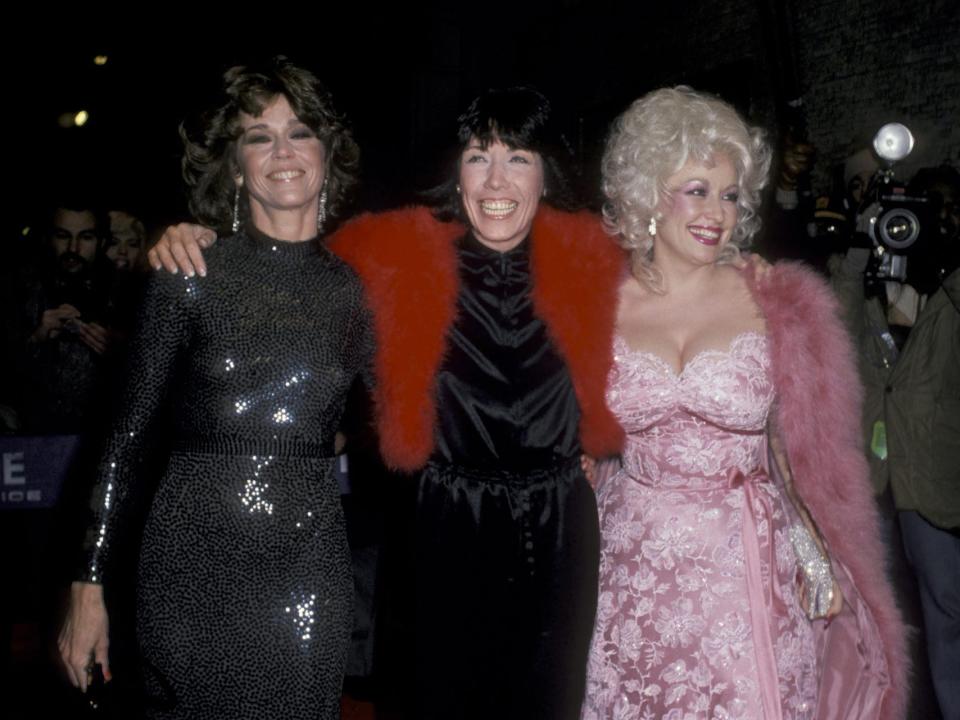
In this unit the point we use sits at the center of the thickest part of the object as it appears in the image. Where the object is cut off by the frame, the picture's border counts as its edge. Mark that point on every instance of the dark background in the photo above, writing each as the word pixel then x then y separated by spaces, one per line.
pixel 403 75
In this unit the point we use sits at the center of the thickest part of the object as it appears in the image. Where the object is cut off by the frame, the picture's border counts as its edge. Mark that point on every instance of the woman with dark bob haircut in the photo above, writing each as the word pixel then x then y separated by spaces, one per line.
pixel 244 603
pixel 493 318
pixel 210 160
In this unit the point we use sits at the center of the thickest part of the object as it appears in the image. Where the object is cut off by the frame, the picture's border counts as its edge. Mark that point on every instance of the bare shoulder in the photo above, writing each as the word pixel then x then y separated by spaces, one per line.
pixel 631 288
pixel 633 297
pixel 638 311
pixel 734 292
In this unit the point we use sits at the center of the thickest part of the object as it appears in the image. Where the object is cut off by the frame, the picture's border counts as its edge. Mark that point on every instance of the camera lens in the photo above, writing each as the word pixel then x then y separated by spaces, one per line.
pixel 898 229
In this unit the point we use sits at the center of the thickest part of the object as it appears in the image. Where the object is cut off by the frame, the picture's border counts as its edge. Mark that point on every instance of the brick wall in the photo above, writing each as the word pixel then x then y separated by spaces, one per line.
pixel 859 64
pixel 864 63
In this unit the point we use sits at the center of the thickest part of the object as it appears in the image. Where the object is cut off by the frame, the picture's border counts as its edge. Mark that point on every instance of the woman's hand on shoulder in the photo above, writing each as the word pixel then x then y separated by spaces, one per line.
pixel 761 268
pixel 83 638
pixel 180 249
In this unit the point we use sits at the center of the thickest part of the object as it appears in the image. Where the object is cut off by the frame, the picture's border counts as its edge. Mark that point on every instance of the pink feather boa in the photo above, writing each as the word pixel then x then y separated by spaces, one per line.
pixel 818 415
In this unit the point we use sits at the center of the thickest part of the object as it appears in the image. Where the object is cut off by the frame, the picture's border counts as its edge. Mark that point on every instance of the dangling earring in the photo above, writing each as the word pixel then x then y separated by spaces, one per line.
pixel 458 189
pixel 322 208
pixel 544 192
pixel 236 209
pixel 652 227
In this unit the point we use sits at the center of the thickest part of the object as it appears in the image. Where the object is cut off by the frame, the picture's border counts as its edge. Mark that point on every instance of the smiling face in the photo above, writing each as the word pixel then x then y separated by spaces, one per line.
pixel 698 212
pixel 500 189
pixel 127 236
pixel 282 163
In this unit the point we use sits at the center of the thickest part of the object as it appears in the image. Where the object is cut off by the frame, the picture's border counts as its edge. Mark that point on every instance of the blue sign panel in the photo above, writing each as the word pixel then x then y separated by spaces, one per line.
pixel 32 469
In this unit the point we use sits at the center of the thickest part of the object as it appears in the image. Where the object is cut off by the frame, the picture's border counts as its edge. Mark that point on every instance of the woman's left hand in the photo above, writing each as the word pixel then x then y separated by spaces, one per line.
pixel 836 602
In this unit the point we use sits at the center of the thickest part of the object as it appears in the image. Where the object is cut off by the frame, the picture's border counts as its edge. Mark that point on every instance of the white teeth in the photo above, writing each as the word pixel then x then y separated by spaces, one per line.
pixel 701 232
pixel 286 174
pixel 498 208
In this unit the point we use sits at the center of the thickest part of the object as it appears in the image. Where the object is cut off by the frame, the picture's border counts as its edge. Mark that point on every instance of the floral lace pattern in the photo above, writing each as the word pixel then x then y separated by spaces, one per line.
pixel 674 635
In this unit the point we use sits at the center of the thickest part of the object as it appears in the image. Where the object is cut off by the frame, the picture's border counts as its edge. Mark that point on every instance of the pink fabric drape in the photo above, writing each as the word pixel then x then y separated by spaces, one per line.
pixel 854 678
pixel 762 638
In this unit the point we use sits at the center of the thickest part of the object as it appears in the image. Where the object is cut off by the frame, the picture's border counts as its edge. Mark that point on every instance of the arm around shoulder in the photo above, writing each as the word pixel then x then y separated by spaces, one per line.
pixel 180 249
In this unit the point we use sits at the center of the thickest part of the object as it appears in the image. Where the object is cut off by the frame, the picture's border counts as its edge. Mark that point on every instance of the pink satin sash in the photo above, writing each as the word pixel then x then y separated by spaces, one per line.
pixel 759 613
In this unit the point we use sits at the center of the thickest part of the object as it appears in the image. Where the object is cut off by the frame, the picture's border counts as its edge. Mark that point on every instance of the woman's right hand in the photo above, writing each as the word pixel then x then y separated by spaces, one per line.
pixel 179 249
pixel 589 466
pixel 83 637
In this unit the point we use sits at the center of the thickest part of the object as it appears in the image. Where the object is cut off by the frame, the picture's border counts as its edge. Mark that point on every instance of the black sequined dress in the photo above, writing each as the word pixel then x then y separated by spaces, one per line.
pixel 244 604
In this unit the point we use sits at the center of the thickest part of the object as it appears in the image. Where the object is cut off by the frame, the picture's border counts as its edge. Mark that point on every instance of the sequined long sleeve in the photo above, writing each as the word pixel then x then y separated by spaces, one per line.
pixel 157 348
pixel 243 551
pixel 250 364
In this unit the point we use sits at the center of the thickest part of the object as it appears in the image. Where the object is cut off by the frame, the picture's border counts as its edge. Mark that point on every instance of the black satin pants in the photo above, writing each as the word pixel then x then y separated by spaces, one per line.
pixel 506 591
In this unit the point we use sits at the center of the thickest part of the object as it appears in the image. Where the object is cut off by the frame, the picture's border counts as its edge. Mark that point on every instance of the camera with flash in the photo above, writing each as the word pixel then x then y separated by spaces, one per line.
pixel 898 225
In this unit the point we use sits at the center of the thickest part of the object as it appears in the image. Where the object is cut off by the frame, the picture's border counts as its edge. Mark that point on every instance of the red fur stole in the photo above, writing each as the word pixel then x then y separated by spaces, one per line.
pixel 407 262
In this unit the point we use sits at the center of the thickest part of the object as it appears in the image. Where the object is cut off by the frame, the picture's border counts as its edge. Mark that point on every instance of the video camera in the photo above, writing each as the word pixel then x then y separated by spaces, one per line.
pixel 896 223
pixel 900 227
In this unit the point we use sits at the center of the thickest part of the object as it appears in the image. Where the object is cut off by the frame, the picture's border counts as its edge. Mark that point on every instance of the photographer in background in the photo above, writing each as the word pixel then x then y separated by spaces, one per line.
pixel 64 307
pixel 57 344
pixel 899 284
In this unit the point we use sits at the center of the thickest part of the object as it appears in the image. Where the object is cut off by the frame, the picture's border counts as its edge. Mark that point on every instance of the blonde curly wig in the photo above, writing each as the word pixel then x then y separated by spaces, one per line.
pixel 654 139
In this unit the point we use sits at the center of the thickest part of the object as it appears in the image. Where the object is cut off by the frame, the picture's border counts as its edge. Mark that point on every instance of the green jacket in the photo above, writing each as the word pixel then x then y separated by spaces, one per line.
pixel 913 399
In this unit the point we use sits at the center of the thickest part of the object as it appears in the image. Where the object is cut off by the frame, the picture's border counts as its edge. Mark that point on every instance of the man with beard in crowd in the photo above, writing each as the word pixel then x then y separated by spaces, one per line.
pixel 65 306
pixel 69 297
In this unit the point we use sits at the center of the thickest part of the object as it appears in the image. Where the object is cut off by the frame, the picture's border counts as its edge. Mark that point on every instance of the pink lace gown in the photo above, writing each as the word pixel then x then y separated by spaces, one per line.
pixel 698 614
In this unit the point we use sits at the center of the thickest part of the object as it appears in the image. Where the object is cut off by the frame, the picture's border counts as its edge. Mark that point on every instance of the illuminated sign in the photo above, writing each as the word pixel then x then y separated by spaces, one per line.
pixel 32 469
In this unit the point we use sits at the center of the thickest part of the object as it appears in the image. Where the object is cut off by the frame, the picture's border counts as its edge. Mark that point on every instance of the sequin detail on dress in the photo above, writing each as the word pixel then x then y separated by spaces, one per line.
pixel 244 601
pixel 675 632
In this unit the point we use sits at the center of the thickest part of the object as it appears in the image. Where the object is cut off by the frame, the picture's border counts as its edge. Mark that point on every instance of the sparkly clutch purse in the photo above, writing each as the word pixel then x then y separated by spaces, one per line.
pixel 818 579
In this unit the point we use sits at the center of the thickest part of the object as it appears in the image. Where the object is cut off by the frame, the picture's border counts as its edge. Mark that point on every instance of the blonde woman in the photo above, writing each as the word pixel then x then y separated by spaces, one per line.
pixel 700 614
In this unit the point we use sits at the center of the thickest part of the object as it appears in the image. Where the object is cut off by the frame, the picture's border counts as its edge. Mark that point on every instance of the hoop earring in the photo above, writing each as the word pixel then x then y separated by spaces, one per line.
pixel 652 227
pixel 236 210
pixel 322 208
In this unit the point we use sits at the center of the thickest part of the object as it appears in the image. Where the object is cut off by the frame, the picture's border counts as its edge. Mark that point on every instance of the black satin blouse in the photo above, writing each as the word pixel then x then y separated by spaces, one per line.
pixel 505 399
